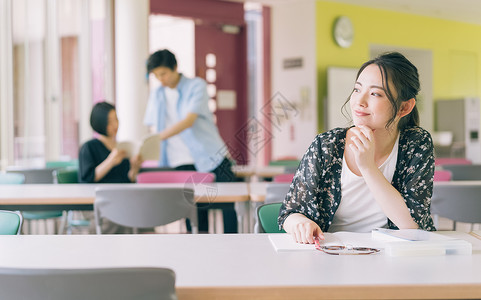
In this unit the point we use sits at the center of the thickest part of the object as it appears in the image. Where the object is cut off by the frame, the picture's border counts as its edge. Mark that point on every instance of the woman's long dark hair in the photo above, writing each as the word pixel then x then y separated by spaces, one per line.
pixel 99 117
pixel 404 76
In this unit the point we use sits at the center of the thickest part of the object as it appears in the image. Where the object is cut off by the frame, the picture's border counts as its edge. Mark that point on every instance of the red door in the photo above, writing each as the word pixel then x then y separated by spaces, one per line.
pixel 229 50
pixel 213 18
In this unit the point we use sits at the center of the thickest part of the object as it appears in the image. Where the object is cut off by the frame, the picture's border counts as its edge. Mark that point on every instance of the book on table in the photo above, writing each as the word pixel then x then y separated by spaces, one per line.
pixel 410 242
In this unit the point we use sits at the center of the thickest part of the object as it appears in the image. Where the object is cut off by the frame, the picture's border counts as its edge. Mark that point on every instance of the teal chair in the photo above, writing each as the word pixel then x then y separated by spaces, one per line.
pixel 267 215
pixel 10 222
pixel 56 164
pixel 11 178
pixel 39 176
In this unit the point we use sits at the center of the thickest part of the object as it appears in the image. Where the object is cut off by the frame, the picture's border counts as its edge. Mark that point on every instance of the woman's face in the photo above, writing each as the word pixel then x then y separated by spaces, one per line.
pixel 112 124
pixel 166 76
pixel 369 103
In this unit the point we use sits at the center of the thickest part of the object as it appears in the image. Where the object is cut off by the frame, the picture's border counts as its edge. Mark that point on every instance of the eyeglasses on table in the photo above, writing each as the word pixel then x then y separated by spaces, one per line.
pixel 344 250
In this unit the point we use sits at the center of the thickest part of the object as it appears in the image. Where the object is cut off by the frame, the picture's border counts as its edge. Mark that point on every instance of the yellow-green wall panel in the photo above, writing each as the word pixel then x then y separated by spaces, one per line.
pixel 455 46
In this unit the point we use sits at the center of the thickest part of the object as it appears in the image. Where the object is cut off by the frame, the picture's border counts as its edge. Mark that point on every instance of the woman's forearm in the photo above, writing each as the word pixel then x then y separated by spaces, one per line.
pixel 178 127
pixel 391 201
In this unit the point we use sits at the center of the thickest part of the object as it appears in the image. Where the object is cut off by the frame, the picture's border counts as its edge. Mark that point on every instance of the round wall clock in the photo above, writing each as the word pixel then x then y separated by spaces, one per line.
pixel 343 32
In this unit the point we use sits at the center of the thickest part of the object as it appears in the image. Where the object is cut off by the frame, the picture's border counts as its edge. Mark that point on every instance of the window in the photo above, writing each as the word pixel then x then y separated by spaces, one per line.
pixel 61 59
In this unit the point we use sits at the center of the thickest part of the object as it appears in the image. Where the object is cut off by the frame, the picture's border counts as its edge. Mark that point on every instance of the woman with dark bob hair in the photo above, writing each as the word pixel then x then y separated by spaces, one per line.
pixel 99 159
pixel 377 173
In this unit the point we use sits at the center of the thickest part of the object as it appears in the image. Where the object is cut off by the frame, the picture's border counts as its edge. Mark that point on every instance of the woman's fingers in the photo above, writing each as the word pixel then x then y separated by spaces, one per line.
pixel 296 236
pixel 362 134
pixel 302 229
pixel 305 233
pixel 310 232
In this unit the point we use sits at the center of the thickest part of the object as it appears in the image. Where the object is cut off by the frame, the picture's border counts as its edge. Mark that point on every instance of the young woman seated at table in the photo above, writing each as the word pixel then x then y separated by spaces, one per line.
pixel 377 173
pixel 99 159
pixel 101 162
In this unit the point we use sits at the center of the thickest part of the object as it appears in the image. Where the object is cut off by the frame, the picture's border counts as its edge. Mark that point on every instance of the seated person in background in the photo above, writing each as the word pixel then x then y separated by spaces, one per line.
pixel 377 173
pixel 101 162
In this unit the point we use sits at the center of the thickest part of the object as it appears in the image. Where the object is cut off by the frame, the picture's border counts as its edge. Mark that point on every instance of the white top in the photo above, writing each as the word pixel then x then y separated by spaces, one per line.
pixel 358 210
pixel 177 152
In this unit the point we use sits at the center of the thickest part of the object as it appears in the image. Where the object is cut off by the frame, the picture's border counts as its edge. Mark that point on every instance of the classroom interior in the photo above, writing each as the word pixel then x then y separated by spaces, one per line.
pixel 272 67
pixel 278 73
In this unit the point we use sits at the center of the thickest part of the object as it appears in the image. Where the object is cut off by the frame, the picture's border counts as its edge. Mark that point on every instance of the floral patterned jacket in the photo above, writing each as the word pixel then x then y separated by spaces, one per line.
pixel 316 188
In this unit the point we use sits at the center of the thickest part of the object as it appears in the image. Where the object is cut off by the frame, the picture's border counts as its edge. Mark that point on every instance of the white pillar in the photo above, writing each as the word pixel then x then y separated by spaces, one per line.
pixel 131 52
pixel 53 90
pixel 85 82
pixel 6 85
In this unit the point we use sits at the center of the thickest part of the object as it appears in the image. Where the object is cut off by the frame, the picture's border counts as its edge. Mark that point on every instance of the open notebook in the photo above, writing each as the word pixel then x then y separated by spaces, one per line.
pixel 410 242
pixel 148 148
pixel 284 242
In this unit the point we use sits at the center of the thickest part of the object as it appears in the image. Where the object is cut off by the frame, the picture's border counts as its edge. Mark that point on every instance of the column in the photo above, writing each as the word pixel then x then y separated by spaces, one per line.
pixel 131 52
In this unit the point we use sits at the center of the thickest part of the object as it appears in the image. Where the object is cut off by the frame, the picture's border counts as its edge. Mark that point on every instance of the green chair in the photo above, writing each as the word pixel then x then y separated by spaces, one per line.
pixel 267 215
pixel 65 176
pixel 285 163
pixel 10 222
pixel 290 165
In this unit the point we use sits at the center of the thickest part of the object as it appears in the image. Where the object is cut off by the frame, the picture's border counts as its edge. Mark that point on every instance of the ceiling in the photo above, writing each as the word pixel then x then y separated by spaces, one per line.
pixel 468 11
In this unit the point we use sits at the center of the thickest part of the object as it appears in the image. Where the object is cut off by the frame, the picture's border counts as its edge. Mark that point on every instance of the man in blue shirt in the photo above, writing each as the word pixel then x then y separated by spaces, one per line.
pixel 179 112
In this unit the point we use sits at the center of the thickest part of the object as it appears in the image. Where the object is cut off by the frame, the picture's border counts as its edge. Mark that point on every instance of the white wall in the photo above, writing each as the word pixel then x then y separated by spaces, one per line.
pixel 293 36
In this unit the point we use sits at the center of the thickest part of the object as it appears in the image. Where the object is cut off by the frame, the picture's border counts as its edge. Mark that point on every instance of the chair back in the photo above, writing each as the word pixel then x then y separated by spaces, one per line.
pixel 451 161
pixel 267 215
pixel 62 164
pixel 276 192
pixel 175 177
pixel 459 203
pixel 10 223
pixel 464 172
pixel 38 176
pixel 442 175
pixel 283 177
pixel 285 162
pixel 144 206
pixel 35 175
pixel 66 175
pixel 79 284
pixel 11 178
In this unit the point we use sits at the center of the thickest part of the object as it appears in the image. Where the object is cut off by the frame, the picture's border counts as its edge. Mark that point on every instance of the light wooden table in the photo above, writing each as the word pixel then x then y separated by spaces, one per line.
pixel 67 195
pixel 257 191
pixel 264 172
pixel 245 266
pixel 81 196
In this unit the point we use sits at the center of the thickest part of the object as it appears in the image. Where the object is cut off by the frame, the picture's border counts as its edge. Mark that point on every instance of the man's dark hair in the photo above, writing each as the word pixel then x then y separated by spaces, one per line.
pixel 161 58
